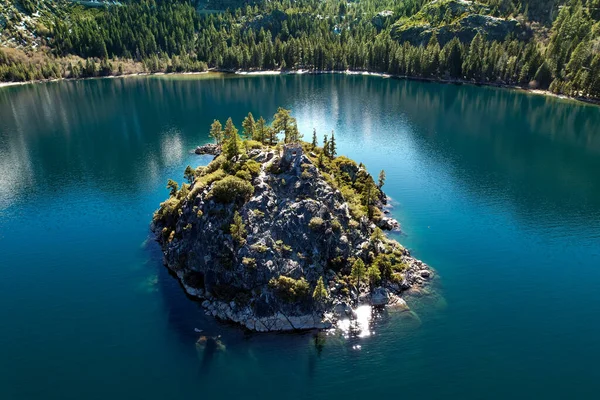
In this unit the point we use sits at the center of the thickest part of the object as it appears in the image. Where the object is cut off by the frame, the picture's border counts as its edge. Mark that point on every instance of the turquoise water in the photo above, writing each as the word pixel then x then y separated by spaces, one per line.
pixel 499 191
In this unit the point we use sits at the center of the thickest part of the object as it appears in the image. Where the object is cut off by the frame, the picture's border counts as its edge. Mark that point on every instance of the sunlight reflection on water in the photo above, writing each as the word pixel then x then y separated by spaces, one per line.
pixel 359 324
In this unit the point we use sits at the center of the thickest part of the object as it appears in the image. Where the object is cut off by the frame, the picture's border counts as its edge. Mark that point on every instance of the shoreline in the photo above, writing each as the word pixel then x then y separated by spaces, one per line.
pixel 215 71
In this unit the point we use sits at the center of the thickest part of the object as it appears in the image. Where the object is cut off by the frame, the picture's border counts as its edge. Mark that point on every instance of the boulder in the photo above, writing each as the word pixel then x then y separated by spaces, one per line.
pixel 380 296
pixel 209 148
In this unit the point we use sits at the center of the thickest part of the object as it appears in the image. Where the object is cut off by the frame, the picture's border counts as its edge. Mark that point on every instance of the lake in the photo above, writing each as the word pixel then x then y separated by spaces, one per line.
pixel 497 190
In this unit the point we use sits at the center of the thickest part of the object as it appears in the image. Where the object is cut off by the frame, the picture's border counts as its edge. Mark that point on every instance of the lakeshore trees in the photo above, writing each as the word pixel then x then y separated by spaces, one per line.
pixel 171 36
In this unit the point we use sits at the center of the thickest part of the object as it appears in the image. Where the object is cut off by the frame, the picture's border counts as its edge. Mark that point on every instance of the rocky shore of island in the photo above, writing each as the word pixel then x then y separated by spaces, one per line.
pixel 283 237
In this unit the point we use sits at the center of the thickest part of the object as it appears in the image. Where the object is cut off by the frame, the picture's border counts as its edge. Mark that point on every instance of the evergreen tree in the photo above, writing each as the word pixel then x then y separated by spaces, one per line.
pixel 249 126
pixel 314 138
pixel 332 152
pixel 326 146
pixel 216 131
pixel 284 122
pixel 320 293
pixel 373 275
pixel 261 131
pixel 238 229
pixel 358 271
pixel 230 130
pixel 381 181
pixel 189 174
pixel 173 187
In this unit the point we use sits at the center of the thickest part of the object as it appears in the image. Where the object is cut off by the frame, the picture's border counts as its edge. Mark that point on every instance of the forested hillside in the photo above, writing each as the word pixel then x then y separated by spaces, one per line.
pixel 531 43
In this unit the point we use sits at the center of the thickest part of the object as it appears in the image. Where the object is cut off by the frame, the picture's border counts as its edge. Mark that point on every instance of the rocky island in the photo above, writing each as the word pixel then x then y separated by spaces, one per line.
pixel 281 235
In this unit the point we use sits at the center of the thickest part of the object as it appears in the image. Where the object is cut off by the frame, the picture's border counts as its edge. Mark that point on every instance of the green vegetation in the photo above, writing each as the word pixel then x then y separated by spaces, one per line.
pixel 231 188
pixel 227 179
pixel 358 271
pixel 238 229
pixel 316 223
pixel 290 289
pixel 532 43
pixel 320 293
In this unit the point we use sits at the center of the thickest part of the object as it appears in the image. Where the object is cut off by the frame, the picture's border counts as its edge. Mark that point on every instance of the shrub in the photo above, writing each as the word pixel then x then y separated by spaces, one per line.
pixel 335 225
pixel 249 262
pixel 210 178
pixel 243 174
pixel 258 214
pixel 253 144
pixel 290 289
pixel 315 223
pixel 230 189
pixel 168 208
pixel 261 248
pixel 306 175
pixel 215 164
pixel 252 167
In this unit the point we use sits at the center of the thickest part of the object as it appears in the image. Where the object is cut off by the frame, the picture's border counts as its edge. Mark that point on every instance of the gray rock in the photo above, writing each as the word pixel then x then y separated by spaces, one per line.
pixel 380 296
pixel 209 148
pixel 234 277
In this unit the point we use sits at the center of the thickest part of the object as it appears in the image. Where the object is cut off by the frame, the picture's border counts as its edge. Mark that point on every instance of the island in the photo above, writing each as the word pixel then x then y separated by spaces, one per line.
pixel 279 234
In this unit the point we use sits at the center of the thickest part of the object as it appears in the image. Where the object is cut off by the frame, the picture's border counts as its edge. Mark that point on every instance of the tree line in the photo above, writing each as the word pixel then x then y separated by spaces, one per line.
pixel 170 35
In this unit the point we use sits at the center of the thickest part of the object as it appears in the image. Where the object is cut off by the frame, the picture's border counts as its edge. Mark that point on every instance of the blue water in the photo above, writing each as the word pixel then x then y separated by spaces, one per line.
pixel 499 191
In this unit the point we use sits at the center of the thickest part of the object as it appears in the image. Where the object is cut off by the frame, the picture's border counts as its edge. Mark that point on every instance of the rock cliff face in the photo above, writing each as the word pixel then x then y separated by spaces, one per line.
pixel 294 228
pixel 456 18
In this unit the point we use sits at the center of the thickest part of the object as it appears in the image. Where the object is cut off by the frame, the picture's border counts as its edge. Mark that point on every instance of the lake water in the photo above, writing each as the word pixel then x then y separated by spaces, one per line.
pixel 499 191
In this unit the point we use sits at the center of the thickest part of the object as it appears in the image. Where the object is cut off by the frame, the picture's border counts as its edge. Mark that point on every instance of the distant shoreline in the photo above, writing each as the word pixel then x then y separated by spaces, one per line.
pixel 322 72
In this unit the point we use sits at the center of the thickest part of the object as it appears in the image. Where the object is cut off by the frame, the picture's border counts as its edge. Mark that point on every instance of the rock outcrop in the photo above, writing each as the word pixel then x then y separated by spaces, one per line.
pixel 294 231
pixel 456 18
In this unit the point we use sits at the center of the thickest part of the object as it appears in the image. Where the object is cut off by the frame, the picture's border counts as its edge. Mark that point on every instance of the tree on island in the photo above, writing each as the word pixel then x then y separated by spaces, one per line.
pixel 216 131
pixel 320 293
pixel 358 271
pixel 373 275
pixel 284 122
pixel 381 180
pixel 189 174
pixel 173 187
pixel 233 143
pixel 369 196
pixel 249 126
pixel 238 229
pixel 261 130
pixel 230 130
pixel 332 146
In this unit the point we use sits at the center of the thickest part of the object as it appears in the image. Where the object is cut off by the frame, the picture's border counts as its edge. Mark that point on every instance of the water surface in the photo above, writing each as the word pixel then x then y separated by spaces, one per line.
pixel 499 191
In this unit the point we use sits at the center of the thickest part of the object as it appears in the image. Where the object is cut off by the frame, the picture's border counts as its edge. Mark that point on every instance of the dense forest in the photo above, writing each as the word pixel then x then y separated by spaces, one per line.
pixel 543 44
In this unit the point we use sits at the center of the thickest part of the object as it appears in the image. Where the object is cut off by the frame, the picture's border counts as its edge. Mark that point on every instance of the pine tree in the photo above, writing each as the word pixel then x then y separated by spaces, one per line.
pixel 320 293
pixel 230 130
pixel 381 181
pixel 173 187
pixel 216 131
pixel 189 174
pixel 332 152
pixel 261 130
pixel 314 138
pixel 358 271
pixel 249 126
pixel 284 122
pixel 326 146
pixel 238 229
pixel 373 275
